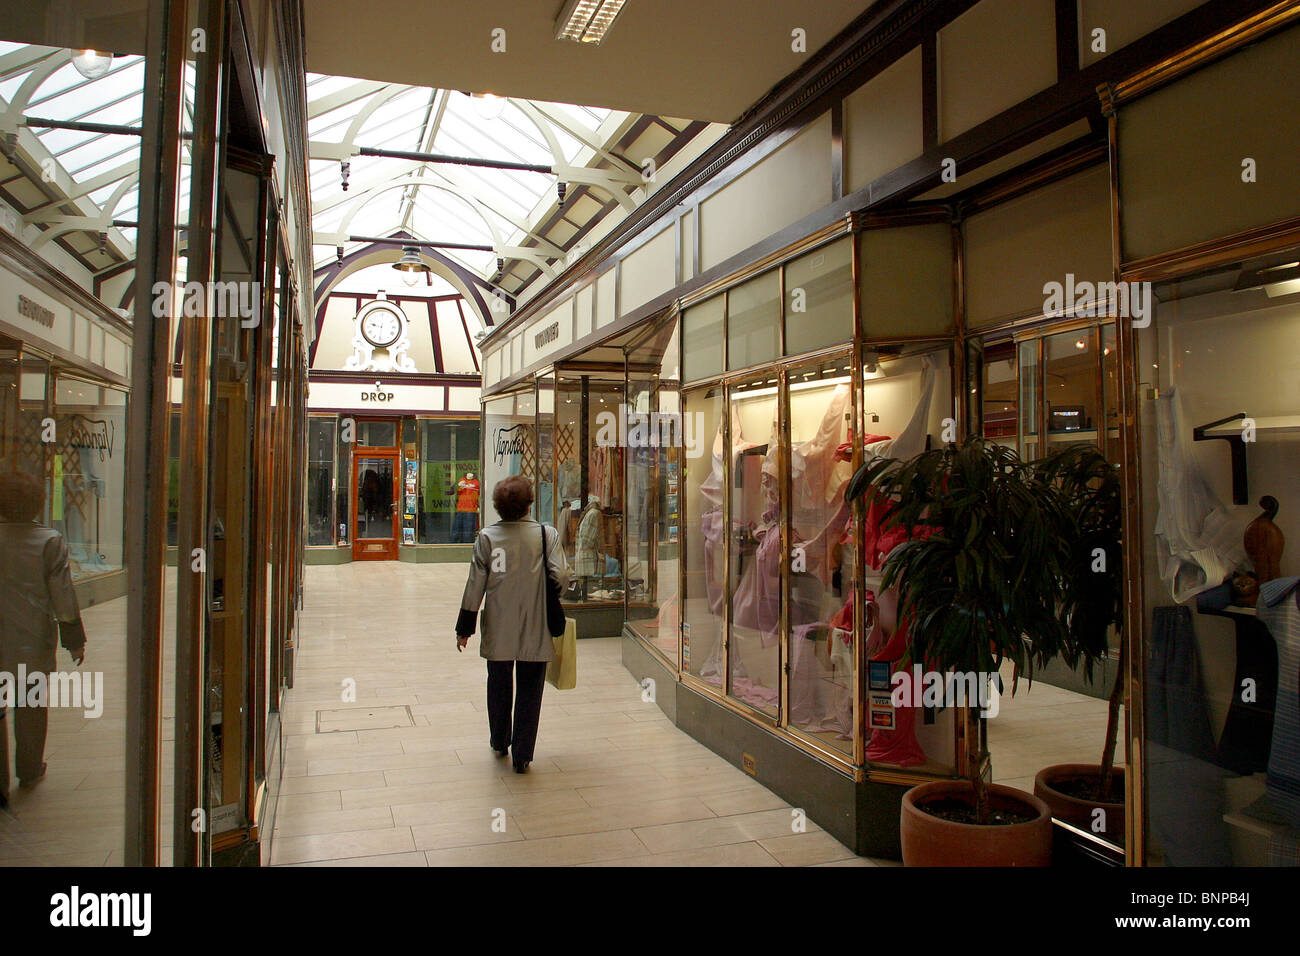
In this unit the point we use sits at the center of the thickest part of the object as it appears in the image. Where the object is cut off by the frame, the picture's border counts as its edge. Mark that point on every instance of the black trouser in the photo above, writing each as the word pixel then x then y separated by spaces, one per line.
pixel 30 724
pixel 527 705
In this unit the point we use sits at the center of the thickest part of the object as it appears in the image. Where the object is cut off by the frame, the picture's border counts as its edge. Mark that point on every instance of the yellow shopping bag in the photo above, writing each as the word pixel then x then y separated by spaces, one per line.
pixel 563 671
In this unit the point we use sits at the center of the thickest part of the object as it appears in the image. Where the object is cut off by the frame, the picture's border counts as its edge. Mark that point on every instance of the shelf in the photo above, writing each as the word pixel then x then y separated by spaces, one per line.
pixel 1273 425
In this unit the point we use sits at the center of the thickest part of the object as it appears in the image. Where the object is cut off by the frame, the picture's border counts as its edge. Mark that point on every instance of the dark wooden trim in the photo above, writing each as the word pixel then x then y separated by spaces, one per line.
pixel 837 153
pixel 1059 163
pixel 1214 254
pixel 392 378
pixel 1206 37
pixel 1067 38
pixel 930 90
pixel 435 337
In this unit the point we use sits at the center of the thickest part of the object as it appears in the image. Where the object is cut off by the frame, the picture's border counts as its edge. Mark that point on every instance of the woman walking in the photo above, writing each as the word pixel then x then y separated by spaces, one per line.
pixel 507 578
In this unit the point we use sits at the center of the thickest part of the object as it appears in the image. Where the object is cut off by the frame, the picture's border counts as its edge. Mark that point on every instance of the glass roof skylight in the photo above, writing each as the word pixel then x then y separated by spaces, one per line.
pixel 95 173
pixel 440 202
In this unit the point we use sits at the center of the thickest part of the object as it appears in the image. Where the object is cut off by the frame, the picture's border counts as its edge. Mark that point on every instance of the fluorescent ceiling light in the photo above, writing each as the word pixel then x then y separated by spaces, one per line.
pixel 586 21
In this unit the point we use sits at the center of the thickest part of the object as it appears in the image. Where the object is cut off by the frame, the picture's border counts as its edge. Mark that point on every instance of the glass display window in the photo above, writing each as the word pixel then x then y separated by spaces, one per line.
pixel 907 408
pixel 1219 431
pixel 658 443
pixel 754 321
pixel 703 339
pixel 754 546
pixel 589 450
pixel 89 474
pixel 449 481
pixel 703 538
pixel 819 298
pixel 509 443
pixel 320 480
pixel 820 557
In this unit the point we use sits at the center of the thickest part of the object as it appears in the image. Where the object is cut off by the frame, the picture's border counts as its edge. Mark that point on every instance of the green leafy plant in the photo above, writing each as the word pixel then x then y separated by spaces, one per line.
pixel 1092 590
pixel 997 576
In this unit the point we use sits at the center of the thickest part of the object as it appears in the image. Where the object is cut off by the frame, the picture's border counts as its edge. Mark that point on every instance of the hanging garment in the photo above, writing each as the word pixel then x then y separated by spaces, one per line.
pixel 1185 785
pixel 1198 539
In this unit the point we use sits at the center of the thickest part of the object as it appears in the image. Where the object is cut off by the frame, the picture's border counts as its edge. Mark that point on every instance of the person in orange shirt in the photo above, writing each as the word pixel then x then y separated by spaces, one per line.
pixel 464 525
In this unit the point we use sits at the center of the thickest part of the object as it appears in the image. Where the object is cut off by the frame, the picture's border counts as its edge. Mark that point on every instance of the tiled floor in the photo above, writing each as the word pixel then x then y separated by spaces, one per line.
pixel 613 782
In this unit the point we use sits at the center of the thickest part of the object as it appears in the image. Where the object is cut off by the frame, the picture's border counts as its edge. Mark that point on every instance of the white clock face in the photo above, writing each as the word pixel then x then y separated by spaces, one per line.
pixel 381 327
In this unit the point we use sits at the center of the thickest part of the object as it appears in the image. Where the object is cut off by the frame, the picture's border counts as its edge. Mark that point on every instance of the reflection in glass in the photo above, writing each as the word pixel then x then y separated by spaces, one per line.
pixel 906 398
pixel 1001 393
pixel 754 321
pixel 821 567
pixel 1031 399
pixel 754 542
pixel 374 497
pixel 653 481
pixel 1070 382
pixel 703 526
pixel 819 298
pixel 451 487
pixel 320 481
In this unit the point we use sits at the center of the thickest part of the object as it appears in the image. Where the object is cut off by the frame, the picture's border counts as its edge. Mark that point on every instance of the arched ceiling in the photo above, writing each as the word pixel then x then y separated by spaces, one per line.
pixel 505 225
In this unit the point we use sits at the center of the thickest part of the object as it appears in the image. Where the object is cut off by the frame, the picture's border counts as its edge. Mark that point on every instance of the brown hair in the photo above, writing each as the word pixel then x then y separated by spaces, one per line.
pixel 22 497
pixel 512 497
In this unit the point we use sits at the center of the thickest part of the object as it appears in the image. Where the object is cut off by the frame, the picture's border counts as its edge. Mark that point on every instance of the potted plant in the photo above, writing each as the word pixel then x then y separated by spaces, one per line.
pixel 981 587
pixel 1088 487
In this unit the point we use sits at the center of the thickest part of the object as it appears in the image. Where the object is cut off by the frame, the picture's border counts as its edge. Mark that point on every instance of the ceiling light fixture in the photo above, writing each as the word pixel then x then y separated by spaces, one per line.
pixel 411 265
pixel 489 106
pixel 91 63
pixel 586 21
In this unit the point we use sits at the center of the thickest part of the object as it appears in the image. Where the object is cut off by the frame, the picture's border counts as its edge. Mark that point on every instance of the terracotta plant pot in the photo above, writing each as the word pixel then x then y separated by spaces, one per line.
pixel 933 841
pixel 1080 813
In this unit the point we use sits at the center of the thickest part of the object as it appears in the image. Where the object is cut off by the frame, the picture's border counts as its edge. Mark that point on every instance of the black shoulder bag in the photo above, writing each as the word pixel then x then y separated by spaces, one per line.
pixel 554 610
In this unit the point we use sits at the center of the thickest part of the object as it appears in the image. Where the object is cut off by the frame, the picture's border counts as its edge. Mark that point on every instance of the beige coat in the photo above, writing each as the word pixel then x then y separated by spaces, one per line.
pixel 505 578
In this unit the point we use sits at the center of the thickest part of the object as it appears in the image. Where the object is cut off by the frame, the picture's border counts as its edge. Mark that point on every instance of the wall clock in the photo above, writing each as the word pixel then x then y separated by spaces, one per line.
pixel 380 338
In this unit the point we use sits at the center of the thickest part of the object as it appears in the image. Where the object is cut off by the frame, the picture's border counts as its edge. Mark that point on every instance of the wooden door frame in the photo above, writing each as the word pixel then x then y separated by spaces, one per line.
pixel 359 551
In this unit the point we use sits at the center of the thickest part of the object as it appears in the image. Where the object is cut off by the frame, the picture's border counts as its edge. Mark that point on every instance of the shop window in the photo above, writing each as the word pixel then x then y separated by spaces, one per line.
pixel 654 466
pixel 1071 379
pixel 907 398
pixel 320 481
pixel 509 446
pixel 754 546
pixel 819 299
pixel 1220 605
pixel 1001 394
pixel 704 537
pixel 588 448
pixel 89 474
pixel 820 560
pixel 343 485
pixel 377 434
pixel 702 339
pixel 450 482
pixel 754 321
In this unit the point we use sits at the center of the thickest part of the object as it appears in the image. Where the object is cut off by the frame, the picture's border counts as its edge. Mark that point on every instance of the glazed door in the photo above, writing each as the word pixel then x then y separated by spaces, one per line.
pixel 374 506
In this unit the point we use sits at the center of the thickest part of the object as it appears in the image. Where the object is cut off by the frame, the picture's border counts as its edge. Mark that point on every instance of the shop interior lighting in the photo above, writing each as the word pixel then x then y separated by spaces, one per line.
pixel 91 63
pixel 586 21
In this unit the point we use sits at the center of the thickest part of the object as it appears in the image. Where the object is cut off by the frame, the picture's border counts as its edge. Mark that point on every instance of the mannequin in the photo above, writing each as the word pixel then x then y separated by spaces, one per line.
pixel 464 524
pixel 588 561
